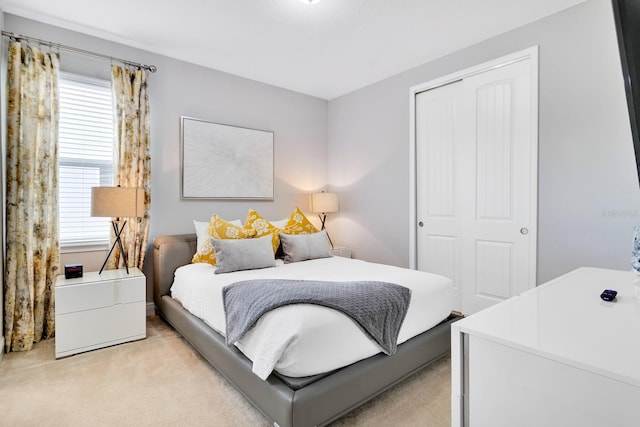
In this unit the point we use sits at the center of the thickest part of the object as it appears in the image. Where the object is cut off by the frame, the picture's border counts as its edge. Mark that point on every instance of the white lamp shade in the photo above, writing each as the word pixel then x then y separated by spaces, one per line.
pixel 117 202
pixel 324 202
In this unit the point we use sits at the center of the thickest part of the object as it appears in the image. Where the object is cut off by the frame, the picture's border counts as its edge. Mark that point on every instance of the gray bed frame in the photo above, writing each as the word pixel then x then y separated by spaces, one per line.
pixel 317 403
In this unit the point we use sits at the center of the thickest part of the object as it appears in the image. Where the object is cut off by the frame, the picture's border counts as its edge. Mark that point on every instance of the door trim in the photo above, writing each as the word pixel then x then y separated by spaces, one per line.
pixel 530 54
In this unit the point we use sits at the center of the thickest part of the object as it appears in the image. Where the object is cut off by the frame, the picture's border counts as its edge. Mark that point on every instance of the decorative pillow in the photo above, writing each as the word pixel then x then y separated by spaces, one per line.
pixel 301 247
pixel 299 224
pixel 202 232
pixel 218 228
pixel 262 227
pixel 243 254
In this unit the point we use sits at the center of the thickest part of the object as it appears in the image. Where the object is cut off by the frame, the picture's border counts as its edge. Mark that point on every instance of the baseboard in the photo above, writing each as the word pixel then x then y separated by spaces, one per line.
pixel 151 309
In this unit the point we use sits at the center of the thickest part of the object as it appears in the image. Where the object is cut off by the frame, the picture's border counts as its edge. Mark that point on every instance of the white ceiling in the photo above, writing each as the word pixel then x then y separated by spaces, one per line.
pixel 325 50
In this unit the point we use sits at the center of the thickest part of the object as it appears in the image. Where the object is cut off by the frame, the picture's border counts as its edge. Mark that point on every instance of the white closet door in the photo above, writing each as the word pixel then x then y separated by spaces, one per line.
pixel 476 177
pixel 498 227
pixel 438 182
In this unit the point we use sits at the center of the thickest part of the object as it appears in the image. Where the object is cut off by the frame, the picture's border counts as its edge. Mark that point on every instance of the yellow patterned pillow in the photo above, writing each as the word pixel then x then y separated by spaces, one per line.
pixel 262 227
pixel 299 224
pixel 219 229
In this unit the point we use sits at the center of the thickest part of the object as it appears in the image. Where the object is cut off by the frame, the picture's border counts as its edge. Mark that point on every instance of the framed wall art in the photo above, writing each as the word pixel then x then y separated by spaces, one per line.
pixel 225 162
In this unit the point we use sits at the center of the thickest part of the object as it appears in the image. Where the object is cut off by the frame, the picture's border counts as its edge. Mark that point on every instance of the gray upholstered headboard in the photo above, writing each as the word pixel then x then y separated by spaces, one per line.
pixel 169 253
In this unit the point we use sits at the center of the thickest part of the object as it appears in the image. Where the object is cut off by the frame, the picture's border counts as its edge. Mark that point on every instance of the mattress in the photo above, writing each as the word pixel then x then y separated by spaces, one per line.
pixel 303 339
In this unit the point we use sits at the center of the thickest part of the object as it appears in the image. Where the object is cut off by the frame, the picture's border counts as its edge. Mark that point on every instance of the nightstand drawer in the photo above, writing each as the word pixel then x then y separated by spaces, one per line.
pixel 88 296
pixel 72 298
pixel 130 290
pixel 89 330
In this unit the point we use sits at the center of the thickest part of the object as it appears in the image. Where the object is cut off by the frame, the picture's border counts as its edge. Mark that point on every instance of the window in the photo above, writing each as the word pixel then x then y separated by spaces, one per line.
pixel 85 156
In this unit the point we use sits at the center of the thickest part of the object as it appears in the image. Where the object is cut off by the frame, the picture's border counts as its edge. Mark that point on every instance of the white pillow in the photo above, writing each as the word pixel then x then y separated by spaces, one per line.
pixel 202 231
pixel 243 254
pixel 280 223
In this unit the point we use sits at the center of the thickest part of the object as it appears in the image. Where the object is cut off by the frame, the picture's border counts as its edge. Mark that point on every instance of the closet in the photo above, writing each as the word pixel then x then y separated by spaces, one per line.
pixel 475 159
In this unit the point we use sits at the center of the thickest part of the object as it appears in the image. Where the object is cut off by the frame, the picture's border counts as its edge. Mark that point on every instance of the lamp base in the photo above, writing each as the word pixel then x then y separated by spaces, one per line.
pixel 117 241
pixel 323 218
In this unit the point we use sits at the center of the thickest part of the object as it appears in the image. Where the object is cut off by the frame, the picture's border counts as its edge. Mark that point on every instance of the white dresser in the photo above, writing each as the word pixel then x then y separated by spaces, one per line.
pixel 96 311
pixel 556 355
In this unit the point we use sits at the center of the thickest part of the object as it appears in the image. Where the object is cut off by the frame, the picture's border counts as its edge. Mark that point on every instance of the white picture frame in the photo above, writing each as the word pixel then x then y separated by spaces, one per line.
pixel 225 162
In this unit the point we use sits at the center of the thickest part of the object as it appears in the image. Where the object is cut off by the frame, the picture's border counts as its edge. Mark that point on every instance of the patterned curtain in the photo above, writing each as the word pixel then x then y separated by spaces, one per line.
pixel 132 154
pixel 32 247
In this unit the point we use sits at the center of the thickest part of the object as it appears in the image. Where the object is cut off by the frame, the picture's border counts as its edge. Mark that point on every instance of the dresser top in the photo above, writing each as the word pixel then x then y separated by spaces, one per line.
pixel 565 320
pixel 93 276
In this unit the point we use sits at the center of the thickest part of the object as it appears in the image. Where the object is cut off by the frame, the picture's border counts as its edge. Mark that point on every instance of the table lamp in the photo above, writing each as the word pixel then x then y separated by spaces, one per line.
pixel 117 202
pixel 322 203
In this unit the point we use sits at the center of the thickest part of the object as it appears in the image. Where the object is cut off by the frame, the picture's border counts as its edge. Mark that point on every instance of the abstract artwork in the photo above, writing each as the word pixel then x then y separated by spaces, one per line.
pixel 225 162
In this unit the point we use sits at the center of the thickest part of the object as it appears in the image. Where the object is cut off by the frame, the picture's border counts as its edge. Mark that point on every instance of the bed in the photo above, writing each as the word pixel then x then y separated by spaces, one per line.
pixel 285 398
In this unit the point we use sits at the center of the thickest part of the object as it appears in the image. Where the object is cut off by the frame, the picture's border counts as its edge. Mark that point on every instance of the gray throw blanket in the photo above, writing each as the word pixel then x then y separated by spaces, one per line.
pixel 379 308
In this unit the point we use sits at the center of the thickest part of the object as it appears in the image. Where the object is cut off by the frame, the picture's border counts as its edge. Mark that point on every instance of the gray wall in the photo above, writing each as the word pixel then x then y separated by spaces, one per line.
pixel 180 88
pixel 588 198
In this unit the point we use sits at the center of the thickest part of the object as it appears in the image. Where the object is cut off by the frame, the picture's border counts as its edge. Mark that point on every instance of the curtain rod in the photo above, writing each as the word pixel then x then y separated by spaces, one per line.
pixel 17 37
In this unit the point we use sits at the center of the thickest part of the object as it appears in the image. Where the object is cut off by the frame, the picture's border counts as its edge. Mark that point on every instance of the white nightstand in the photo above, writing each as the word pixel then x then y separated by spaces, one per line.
pixel 97 311
pixel 342 251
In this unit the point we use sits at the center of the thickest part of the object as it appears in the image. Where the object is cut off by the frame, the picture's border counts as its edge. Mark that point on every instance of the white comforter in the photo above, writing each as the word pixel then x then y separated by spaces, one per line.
pixel 303 339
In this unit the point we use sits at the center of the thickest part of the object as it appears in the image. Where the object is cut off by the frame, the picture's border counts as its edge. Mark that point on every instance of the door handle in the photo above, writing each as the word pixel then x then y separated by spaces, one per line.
pixel 524 231
pixel 421 224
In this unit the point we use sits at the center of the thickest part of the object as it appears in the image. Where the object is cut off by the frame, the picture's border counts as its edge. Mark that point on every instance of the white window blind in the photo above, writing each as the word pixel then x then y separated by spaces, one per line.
pixel 85 156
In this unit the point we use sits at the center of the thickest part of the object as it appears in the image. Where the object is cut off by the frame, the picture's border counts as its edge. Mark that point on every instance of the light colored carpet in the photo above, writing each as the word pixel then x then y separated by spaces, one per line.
pixel 162 381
